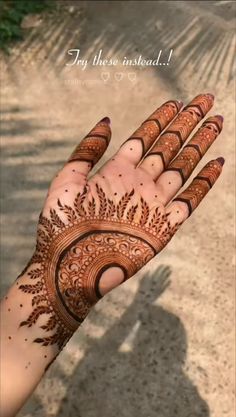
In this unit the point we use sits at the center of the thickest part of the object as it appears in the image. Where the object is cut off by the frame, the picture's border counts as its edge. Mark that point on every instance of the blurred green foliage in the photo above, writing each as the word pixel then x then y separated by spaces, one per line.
pixel 12 13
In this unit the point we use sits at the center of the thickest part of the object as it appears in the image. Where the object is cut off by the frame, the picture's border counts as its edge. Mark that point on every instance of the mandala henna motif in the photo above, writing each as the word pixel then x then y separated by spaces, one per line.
pixel 71 256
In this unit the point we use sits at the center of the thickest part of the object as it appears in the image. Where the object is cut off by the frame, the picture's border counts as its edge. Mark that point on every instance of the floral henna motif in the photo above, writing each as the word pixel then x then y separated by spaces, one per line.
pixel 71 256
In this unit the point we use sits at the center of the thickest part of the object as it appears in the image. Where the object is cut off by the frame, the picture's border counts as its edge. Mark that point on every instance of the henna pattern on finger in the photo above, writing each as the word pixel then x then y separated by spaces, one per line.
pixel 93 146
pixel 171 141
pixel 71 255
pixel 191 154
pixel 200 105
pixel 153 126
pixel 201 184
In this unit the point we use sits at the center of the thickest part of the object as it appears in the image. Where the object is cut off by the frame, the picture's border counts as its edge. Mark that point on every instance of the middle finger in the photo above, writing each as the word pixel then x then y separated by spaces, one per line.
pixel 171 141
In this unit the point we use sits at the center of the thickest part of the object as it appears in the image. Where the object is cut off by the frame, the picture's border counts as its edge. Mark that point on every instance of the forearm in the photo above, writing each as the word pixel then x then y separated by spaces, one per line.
pixel 27 340
pixel 93 234
pixel 23 362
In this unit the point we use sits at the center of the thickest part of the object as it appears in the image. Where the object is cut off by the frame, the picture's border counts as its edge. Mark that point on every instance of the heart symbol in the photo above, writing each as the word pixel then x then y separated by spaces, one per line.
pixel 132 76
pixel 119 76
pixel 105 76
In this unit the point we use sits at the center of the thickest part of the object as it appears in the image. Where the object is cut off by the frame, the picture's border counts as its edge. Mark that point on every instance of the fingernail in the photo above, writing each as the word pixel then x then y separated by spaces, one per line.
pixel 220 117
pixel 105 120
pixel 180 104
pixel 221 160
pixel 210 95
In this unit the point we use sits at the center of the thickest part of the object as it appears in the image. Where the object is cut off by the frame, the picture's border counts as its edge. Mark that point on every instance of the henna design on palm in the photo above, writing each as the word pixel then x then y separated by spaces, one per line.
pixel 100 232
pixel 74 254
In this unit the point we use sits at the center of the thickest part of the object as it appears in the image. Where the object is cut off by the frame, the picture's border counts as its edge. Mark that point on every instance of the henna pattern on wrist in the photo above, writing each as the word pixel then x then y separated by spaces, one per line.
pixel 72 254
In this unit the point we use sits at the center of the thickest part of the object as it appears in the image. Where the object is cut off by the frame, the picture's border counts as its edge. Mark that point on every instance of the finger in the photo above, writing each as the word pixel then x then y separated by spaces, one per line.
pixel 92 147
pixel 180 169
pixel 171 141
pixel 143 138
pixel 187 201
pixel 85 156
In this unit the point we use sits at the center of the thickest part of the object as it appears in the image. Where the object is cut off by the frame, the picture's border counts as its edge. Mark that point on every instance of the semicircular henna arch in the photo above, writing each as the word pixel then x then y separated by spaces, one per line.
pixel 70 257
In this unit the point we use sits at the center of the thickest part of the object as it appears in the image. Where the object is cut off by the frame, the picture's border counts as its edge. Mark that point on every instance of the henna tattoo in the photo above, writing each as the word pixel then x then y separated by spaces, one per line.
pixel 93 146
pixel 71 256
pixel 201 184
pixel 200 105
pixel 78 243
pixel 152 127
pixel 170 142
pixel 191 154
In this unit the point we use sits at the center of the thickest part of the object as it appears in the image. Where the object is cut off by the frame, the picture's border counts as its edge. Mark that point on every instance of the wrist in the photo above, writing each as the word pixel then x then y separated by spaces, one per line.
pixel 42 312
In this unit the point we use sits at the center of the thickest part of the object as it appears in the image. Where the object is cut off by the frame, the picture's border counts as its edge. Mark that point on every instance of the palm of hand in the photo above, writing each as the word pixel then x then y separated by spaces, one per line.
pixel 94 234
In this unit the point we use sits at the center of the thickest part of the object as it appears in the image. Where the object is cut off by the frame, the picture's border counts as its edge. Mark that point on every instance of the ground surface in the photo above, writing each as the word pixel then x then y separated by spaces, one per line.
pixel 162 344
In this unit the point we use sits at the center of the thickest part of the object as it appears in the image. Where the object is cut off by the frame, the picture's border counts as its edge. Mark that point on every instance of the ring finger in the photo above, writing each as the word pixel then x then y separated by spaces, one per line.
pixel 180 169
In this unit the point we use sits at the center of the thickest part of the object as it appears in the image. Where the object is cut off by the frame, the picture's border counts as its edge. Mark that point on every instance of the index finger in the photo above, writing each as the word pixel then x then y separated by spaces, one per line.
pixel 136 146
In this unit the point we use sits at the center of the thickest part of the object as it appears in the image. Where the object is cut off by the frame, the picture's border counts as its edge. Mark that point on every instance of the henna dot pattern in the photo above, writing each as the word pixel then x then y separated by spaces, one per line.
pixel 70 258
pixel 192 153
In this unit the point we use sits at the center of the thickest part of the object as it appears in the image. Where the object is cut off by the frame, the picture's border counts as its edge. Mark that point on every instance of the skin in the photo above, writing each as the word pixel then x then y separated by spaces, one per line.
pixel 96 232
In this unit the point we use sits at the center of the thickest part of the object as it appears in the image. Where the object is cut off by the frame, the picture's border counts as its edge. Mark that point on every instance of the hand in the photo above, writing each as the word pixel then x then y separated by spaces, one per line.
pixel 95 233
